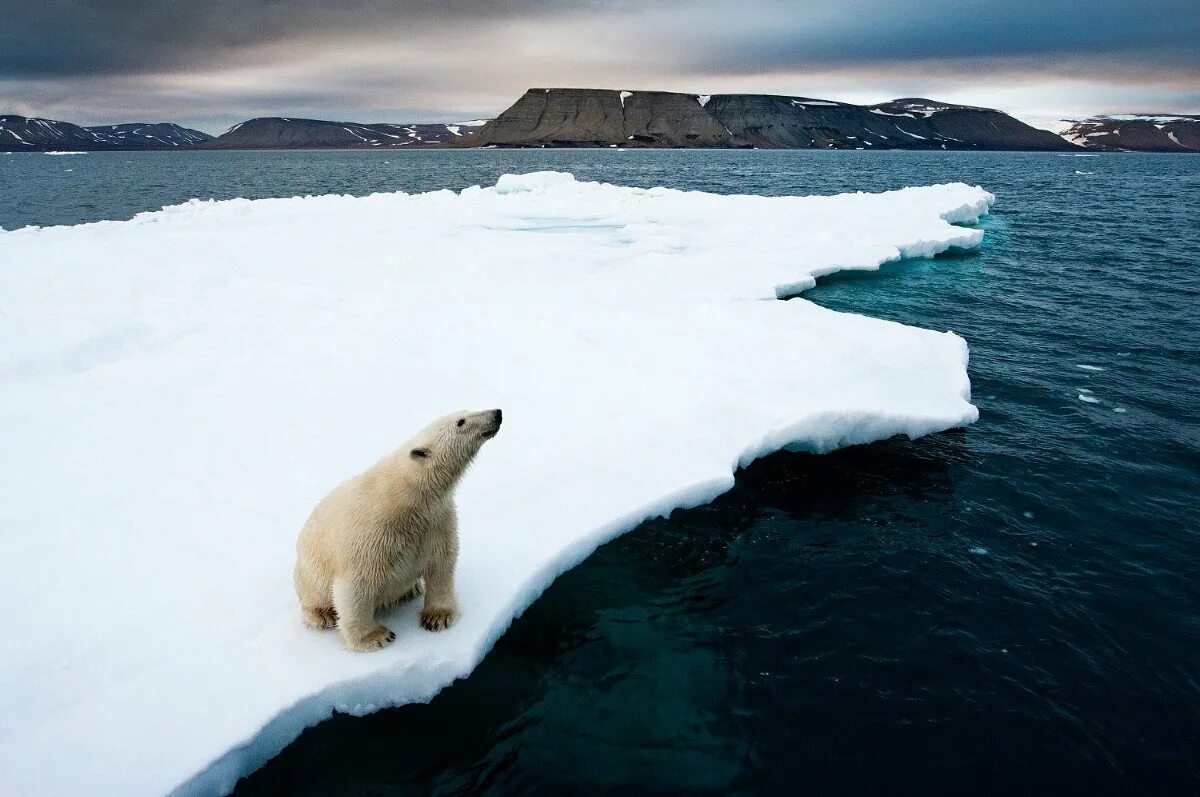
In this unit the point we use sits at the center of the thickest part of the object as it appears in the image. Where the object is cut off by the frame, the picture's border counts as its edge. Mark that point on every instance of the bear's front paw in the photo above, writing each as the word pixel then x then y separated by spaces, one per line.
pixel 381 637
pixel 438 619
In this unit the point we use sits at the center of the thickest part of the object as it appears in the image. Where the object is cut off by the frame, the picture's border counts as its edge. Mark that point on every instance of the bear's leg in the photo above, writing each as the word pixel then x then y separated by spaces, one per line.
pixel 354 603
pixel 313 590
pixel 401 593
pixel 441 605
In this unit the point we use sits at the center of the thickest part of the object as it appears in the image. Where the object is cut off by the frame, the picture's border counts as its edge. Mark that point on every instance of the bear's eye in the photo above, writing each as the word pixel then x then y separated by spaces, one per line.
pixel 461 421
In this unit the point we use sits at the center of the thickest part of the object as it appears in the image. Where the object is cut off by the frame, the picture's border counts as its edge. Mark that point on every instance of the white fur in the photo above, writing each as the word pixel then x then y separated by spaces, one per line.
pixel 389 534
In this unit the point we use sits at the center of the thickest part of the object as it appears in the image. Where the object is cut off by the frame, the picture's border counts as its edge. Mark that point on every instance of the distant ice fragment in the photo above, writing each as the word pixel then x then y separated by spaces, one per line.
pixel 1089 367
pixel 1088 399
pixel 978 551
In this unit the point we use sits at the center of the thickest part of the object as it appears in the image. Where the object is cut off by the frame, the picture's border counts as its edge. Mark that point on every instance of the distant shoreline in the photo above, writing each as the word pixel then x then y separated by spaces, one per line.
pixel 559 118
pixel 443 149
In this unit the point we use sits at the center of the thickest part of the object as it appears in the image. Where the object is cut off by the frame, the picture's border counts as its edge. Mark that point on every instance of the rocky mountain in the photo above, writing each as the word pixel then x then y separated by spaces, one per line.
pixel 604 117
pixel 26 134
pixel 284 133
pixel 1134 132
pixel 147 135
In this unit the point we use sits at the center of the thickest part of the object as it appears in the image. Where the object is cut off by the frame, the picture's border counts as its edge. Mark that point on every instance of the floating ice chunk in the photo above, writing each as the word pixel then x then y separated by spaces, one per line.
pixel 1089 367
pixel 703 99
pixel 203 374
pixel 978 551
pixel 1088 399
pixel 532 182
pixel 1120 409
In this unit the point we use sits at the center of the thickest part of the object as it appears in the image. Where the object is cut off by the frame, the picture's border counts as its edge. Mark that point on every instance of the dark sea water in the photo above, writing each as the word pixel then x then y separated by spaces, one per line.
pixel 1013 607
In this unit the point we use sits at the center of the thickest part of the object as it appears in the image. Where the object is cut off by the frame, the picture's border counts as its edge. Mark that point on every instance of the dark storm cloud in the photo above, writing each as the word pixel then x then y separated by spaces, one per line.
pixel 70 37
pixel 866 32
pixel 215 62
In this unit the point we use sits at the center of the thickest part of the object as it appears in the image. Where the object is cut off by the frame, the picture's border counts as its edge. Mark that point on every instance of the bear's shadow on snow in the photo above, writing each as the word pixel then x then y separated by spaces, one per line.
pixel 814 519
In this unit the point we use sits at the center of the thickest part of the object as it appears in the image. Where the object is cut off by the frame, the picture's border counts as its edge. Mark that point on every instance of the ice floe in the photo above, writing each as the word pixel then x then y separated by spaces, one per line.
pixel 179 389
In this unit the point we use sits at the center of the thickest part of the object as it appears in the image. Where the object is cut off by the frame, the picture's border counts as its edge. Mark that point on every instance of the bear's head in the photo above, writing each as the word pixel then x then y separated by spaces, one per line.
pixel 444 448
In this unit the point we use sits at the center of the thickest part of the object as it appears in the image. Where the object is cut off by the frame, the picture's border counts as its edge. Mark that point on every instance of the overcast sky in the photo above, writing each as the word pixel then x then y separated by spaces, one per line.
pixel 211 63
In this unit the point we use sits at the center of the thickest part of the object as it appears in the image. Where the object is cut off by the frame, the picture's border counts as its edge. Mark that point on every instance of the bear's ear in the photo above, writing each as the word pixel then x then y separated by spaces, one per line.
pixel 419 453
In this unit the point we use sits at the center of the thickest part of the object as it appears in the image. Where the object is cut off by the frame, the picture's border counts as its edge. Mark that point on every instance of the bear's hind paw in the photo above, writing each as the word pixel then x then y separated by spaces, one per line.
pixel 418 589
pixel 321 618
pixel 415 591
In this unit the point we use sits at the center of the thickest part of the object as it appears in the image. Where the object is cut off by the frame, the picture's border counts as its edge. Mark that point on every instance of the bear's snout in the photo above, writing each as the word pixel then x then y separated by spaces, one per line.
pixel 497 416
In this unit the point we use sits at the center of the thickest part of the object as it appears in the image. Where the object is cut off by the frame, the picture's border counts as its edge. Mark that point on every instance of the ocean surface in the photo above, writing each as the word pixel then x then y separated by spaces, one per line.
pixel 1012 607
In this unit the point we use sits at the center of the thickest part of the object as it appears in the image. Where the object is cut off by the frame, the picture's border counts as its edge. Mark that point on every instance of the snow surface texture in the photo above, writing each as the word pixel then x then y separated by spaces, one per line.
pixel 180 389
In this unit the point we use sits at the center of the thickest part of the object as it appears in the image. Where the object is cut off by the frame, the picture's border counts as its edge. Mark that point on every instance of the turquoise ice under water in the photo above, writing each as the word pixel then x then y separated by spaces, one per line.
pixel 1010 607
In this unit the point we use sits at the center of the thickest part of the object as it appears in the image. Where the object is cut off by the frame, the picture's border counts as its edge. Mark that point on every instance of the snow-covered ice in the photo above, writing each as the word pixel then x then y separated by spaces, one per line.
pixel 181 388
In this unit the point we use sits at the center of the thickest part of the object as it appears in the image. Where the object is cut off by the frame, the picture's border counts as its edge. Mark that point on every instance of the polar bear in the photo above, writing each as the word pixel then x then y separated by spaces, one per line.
pixel 389 534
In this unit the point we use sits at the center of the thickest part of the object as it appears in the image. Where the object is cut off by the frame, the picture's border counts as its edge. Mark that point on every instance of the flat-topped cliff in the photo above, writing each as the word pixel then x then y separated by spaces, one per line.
pixel 608 117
